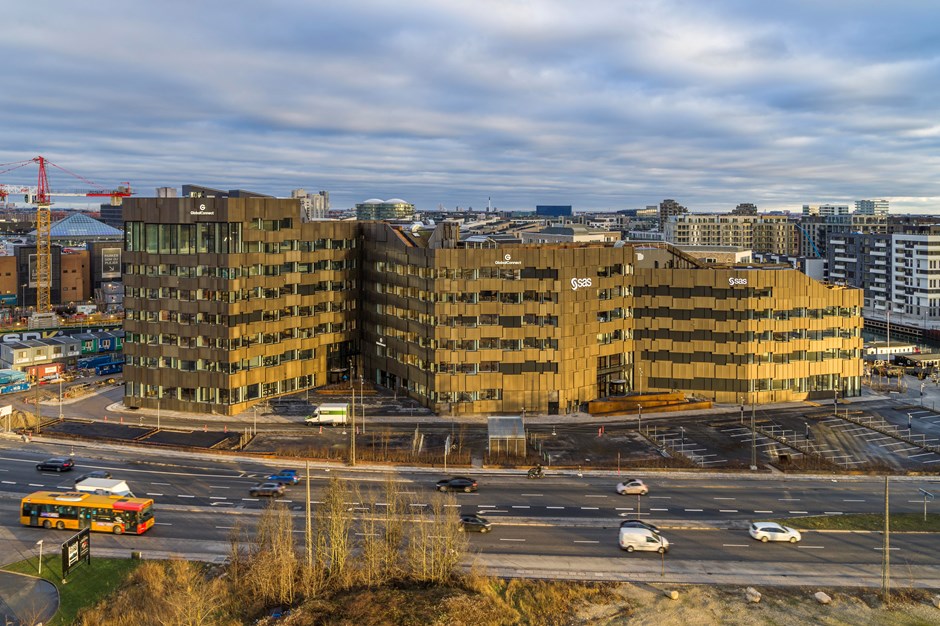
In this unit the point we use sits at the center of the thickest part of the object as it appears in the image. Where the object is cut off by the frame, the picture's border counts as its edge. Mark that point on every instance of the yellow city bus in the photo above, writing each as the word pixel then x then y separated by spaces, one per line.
pixel 76 510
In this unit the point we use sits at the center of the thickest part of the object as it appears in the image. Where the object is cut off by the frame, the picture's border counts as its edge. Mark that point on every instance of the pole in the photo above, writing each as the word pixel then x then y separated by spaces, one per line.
pixel 362 402
pixel 39 543
pixel 38 411
pixel 639 417
pixel 158 412
pixel 753 435
pixel 60 397
pixel 352 431
pixel 885 557
pixel 308 529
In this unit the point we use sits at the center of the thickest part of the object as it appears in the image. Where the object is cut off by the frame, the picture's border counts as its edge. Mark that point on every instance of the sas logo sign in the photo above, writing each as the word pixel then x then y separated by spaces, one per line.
pixel 580 283
pixel 737 281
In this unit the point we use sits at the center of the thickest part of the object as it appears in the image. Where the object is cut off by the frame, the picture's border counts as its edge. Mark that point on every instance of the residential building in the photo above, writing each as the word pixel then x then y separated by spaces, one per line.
pixel 871 207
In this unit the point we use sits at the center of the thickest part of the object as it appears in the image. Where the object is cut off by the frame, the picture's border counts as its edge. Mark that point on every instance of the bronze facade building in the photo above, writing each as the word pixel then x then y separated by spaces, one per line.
pixel 230 301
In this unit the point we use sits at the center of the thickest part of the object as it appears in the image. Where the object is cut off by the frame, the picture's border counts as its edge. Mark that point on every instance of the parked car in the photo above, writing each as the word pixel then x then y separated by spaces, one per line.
pixel 457 483
pixel 636 523
pixel 285 477
pixel 93 474
pixel 272 490
pixel 632 487
pixel 475 524
pixel 58 464
pixel 771 531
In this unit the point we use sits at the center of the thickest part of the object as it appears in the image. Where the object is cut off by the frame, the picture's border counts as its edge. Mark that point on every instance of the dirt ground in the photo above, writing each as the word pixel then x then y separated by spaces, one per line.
pixel 646 605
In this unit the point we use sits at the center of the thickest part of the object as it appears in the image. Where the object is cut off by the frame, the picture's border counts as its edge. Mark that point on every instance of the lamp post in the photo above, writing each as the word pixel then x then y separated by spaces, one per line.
pixel 639 416
pixel 39 543
pixel 158 411
pixel 352 430
pixel 60 397
pixel 682 440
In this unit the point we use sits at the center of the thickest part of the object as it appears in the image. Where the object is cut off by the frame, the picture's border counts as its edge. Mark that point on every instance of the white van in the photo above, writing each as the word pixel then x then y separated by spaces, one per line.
pixel 104 486
pixel 329 413
pixel 642 539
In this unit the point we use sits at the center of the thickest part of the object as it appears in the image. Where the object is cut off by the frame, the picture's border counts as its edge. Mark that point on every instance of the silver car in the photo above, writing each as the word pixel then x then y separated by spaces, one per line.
pixel 771 531
pixel 632 487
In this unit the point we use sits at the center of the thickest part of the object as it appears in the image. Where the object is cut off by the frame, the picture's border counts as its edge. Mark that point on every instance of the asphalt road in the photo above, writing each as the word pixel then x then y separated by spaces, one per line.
pixel 562 518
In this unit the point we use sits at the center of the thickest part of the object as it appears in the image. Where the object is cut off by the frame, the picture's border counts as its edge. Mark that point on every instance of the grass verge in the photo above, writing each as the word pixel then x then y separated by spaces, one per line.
pixel 86 586
pixel 900 522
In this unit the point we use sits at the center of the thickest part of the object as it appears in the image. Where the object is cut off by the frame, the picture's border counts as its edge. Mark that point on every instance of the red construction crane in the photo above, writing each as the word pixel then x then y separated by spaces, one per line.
pixel 40 195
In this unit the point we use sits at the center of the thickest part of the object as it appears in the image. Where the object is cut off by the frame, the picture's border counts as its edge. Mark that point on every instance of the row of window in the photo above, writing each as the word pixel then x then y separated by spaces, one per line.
pixel 748 336
pixel 215 238
pixel 257 269
pixel 271 338
pixel 269 315
pixel 492 319
pixel 819 382
pixel 207 365
pixel 780 358
pixel 243 295
pixel 213 395
pixel 484 273
pixel 676 312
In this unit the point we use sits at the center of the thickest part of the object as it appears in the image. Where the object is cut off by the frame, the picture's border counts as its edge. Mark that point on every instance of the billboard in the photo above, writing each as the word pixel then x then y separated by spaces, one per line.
pixel 110 263
pixel 76 549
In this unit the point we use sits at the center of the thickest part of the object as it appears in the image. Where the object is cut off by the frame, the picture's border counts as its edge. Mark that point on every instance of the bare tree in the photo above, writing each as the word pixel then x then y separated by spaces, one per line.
pixel 274 564
pixel 338 526
pixel 436 543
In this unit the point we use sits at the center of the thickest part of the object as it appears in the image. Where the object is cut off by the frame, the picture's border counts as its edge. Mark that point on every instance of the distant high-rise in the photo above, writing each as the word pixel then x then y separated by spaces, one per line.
pixel 394 209
pixel 312 206
pixel 745 208
pixel 668 208
pixel 871 207
pixel 553 210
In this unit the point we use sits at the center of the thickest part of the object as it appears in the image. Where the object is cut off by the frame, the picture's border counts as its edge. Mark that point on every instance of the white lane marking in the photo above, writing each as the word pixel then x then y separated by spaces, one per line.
pixel 249 499
pixel 727 510
pixel 659 509
pixel 225 527
pixel 798 512
pixel 507 539
pixel 734 545
pixel 520 506
pixel 533 495
pixel 163 523
pixel 36 485
pixel 763 511
pixel 166 484
pixel 456 506
pixel 183 495
pixel 811 547
pixel 585 541
pixel 660 497
pixel 588 508
pixel 554 507
pixel 724 498
pixel 154 494
pixel 882 549
pixel 626 508
pixel 693 510
pixel 418 504
pixel 218 487
pixel 486 506
pixel 218 497
pixel 788 499
pixel 853 500
pixel 590 496
pixel 832 513
pixel 8 482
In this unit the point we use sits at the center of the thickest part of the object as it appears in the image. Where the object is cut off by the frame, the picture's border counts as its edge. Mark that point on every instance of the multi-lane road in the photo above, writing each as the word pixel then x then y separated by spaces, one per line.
pixel 563 525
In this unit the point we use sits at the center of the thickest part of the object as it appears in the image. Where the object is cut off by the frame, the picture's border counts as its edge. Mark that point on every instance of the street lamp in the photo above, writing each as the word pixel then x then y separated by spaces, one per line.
pixel 639 416
pixel 682 434
pixel 60 397
pixel 39 543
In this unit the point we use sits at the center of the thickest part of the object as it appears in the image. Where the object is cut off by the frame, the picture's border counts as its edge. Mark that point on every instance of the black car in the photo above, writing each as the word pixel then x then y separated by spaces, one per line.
pixel 475 524
pixel 635 523
pixel 93 474
pixel 457 483
pixel 55 465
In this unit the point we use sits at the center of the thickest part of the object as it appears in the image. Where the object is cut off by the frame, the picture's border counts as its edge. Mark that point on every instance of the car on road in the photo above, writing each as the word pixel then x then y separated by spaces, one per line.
pixel 636 523
pixel 475 524
pixel 93 474
pixel 57 464
pixel 632 487
pixel 771 531
pixel 285 477
pixel 272 490
pixel 642 540
pixel 457 483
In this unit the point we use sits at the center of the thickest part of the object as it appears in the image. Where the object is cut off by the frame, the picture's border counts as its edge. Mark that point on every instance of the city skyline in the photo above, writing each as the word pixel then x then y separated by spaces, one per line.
pixel 597 105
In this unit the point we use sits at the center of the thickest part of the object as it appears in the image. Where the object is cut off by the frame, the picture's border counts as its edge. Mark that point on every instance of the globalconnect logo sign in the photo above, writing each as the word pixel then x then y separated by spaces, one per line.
pixel 507 260
pixel 202 211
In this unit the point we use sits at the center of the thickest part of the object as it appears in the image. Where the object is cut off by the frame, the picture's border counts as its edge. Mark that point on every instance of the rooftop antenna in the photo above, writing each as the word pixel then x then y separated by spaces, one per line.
pixel 488 204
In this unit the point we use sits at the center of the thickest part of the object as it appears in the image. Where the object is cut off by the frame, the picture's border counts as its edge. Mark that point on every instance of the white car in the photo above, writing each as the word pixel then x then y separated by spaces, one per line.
pixel 771 531
pixel 632 487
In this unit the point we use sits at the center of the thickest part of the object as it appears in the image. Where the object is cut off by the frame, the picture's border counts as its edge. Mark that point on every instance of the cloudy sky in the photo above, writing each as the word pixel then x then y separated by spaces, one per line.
pixel 604 105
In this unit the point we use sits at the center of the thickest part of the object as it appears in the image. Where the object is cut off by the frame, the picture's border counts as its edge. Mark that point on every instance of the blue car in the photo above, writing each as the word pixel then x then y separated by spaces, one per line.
pixel 285 477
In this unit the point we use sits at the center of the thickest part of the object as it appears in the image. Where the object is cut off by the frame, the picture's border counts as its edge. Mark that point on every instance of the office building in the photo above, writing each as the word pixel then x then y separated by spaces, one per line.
pixel 395 209
pixel 553 210
pixel 229 301
pixel 871 207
